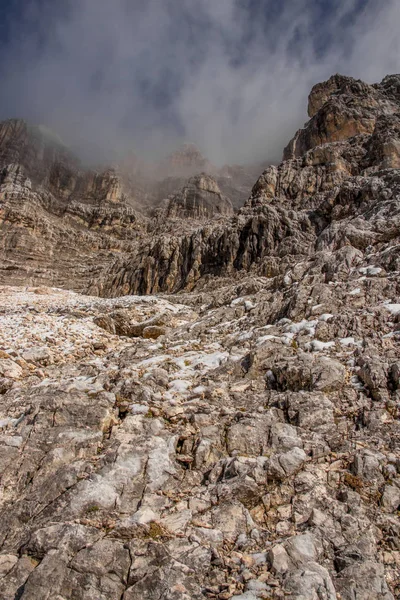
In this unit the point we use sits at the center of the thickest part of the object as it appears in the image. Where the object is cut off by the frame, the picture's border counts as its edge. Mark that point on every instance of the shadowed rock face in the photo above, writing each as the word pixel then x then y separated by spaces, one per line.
pixel 238 439
pixel 35 150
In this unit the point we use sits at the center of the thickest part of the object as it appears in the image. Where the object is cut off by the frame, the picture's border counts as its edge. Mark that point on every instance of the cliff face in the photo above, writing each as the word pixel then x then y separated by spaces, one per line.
pixel 63 230
pixel 200 198
pixel 351 143
pixel 297 206
pixel 63 224
pixel 37 150
pixel 342 108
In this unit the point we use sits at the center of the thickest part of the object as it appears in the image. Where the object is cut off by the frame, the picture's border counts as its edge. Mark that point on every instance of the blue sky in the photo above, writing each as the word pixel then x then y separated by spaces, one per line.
pixel 143 75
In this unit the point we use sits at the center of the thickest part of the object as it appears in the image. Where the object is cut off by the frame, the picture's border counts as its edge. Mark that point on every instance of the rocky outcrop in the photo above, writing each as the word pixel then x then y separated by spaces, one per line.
pixel 294 207
pixel 342 108
pixel 200 198
pixel 36 149
pixel 63 224
pixel 252 241
pixel 51 241
pixel 236 181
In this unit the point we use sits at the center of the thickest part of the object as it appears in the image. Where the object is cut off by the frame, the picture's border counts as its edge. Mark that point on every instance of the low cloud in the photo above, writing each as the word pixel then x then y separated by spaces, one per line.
pixel 232 76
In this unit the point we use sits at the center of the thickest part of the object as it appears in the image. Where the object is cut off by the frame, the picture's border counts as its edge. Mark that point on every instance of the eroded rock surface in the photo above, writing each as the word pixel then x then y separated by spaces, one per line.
pixel 251 450
pixel 332 201
pixel 201 198
pixel 236 433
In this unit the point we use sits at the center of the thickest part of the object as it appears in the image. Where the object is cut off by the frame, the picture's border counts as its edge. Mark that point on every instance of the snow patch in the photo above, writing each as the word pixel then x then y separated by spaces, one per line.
pixel 304 325
pixel 237 301
pixel 355 292
pixel 370 271
pixel 394 309
pixel 316 307
pixel 179 385
pixel 349 341
pixel 325 317
pixel 318 346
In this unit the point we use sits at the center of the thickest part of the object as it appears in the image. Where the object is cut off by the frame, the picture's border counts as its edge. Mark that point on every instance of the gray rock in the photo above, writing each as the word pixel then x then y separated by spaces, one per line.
pixel 366 580
pixel 312 582
pixel 391 498
pixel 39 356
pixel 286 464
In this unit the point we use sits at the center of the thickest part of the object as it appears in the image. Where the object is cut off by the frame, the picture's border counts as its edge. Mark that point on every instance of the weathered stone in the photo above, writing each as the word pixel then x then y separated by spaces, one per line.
pixel 391 498
pixel 9 368
pixel 285 465
pixel 366 579
pixel 39 356
pixel 7 562
pixel 201 198
pixel 105 322
pixel 152 332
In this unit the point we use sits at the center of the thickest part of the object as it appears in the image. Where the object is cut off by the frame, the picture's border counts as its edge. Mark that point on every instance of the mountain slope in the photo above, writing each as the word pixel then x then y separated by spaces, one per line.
pixel 296 209
pixel 235 434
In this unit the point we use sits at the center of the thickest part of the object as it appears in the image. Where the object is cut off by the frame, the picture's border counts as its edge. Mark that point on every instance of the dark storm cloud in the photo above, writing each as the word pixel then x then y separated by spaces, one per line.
pixel 230 75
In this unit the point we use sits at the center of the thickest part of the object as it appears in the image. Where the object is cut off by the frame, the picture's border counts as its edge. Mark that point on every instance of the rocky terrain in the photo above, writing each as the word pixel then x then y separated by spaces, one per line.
pixel 216 414
pixel 64 224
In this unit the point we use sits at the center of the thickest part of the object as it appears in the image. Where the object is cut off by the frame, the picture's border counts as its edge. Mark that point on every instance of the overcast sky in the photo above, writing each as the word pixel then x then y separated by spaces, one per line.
pixel 232 76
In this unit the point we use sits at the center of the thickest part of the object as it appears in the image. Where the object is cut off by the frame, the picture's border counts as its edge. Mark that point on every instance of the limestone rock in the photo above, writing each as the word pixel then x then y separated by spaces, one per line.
pixel 38 355
pixel 340 108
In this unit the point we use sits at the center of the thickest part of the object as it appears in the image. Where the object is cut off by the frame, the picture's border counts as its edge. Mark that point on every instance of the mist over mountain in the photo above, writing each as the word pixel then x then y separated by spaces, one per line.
pixel 143 76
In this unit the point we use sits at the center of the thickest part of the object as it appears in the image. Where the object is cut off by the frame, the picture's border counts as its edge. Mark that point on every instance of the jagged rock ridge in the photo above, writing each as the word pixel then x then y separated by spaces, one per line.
pixel 62 224
pixel 293 207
